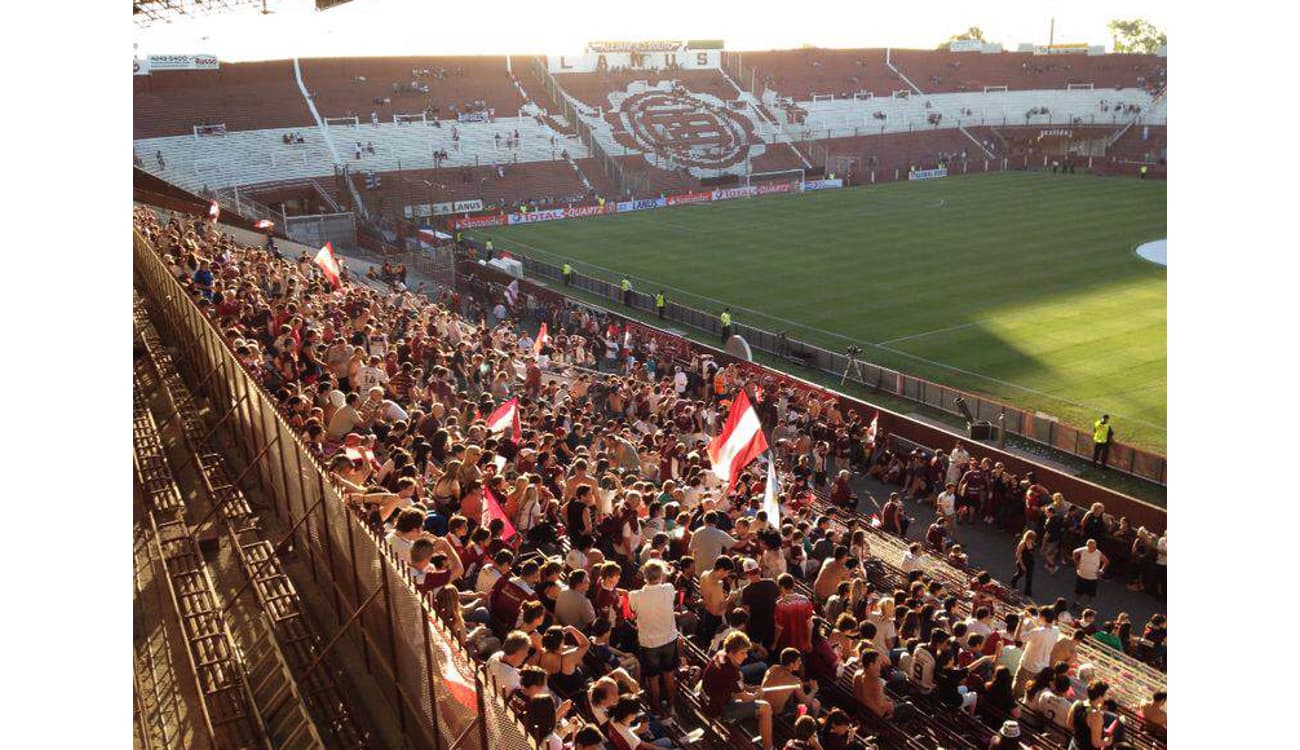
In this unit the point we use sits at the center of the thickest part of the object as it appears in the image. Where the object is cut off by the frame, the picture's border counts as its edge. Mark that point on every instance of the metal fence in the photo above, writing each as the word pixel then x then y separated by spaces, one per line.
pixel 1028 425
pixel 372 595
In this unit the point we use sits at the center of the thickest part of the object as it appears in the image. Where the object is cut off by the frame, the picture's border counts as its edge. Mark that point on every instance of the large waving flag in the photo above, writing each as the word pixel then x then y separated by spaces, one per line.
pixel 214 212
pixel 512 292
pixel 506 417
pixel 873 430
pixel 266 224
pixel 770 493
pixel 740 441
pixel 329 265
pixel 543 338
pixel 494 510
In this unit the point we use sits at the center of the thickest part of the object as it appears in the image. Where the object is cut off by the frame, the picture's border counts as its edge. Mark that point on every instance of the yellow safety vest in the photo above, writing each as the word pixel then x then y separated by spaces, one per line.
pixel 1144 169
pixel 726 319
pixel 568 269
pixel 626 285
pixel 659 300
pixel 1100 431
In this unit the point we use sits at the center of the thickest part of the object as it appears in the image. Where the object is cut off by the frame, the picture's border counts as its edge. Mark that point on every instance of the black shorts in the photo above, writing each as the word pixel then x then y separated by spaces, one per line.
pixel 659 659
pixel 1084 586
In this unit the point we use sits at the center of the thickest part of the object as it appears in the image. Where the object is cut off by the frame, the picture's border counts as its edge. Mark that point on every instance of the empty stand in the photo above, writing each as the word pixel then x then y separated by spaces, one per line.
pixel 360 85
pixel 243 96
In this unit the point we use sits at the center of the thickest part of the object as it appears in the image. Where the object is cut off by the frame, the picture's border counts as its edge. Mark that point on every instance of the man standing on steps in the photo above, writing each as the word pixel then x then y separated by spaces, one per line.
pixel 626 286
pixel 725 318
pixel 1102 436
pixel 660 303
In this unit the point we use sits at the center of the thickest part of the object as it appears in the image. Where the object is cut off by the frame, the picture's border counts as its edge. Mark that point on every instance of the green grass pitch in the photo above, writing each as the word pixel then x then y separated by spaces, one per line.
pixel 1022 286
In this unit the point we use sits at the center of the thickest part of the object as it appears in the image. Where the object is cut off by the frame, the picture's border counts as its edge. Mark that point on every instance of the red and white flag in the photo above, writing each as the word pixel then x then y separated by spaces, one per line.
pixel 875 521
pixel 266 224
pixel 506 417
pixel 512 292
pixel 873 429
pixel 457 678
pixel 740 441
pixel 214 212
pixel 543 338
pixel 329 265
pixel 494 511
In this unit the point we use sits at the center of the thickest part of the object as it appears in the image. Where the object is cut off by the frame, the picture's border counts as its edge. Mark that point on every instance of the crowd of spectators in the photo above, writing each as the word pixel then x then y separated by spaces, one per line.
pixel 614 586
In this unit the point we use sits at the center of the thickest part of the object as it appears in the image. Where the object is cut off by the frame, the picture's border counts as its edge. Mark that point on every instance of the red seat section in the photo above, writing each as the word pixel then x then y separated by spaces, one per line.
pixel 941 71
pixel 345 86
pixel 801 74
pixel 244 96
pixel 551 182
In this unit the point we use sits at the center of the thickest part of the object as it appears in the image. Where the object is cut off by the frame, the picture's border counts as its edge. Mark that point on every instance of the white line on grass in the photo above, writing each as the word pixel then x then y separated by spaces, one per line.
pixel 929 333
pixel 882 345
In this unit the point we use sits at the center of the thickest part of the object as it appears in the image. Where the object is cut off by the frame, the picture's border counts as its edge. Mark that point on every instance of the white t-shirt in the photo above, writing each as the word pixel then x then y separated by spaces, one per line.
pixel 1038 648
pixel 947 503
pixel 1162 551
pixel 392 412
pixel 487 578
pixel 656 626
pixel 401 547
pixel 369 377
pixel 1089 563
pixel 679 382
pixel 1054 707
pixel 507 677
pixel 975 627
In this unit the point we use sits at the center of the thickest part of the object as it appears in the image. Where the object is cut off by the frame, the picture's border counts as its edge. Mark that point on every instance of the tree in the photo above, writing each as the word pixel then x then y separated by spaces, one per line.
pixel 974 33
pixel 1138 36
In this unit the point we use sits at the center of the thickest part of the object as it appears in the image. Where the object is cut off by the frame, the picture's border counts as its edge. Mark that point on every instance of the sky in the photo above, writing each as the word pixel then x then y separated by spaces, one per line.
pixel 433 27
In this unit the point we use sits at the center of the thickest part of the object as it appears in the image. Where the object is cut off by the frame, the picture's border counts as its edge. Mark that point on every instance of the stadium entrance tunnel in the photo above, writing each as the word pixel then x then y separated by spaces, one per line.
pixel 1153 252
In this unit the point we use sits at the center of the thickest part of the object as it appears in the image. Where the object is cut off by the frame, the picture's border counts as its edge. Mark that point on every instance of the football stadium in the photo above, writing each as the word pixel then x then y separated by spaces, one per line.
pixel 647 392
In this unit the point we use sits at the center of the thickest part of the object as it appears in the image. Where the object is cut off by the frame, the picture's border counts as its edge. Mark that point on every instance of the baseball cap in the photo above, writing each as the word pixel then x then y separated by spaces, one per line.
pixel 750 565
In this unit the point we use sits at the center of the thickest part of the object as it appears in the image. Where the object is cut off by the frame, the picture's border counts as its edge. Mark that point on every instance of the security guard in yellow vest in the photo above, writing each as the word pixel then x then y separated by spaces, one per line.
pixel 567 272
pixel 1102 436
pixel 726 324
pixel 1142 172
pixel 660 303
pixel 626 286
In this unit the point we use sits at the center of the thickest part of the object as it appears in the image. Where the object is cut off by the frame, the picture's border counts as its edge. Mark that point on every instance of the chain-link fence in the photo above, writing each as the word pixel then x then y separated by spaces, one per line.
pixel 372 595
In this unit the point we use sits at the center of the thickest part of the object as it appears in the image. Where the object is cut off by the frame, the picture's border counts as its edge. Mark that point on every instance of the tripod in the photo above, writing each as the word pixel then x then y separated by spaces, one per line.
pixel 852 366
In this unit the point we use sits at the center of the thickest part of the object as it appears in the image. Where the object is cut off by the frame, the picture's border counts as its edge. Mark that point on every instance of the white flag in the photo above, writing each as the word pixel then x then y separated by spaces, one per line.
pixel 512 292
pixel 770 503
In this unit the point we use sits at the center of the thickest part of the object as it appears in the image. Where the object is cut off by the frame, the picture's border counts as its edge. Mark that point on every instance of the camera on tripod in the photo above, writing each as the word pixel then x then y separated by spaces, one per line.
pixel 853 351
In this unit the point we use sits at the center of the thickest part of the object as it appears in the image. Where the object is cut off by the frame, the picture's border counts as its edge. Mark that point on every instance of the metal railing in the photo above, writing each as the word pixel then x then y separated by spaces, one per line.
pixel 370 596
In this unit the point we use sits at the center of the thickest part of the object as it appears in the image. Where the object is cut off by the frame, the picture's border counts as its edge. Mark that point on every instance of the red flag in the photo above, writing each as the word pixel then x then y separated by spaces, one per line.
pixel 875 521
pixel 505 417
pixel 214 212
pixel 494 511
pixel 740 441
pixel 329 265
pixel 873 430
pixel 543 338
pixel 265 224
pixel 457 678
